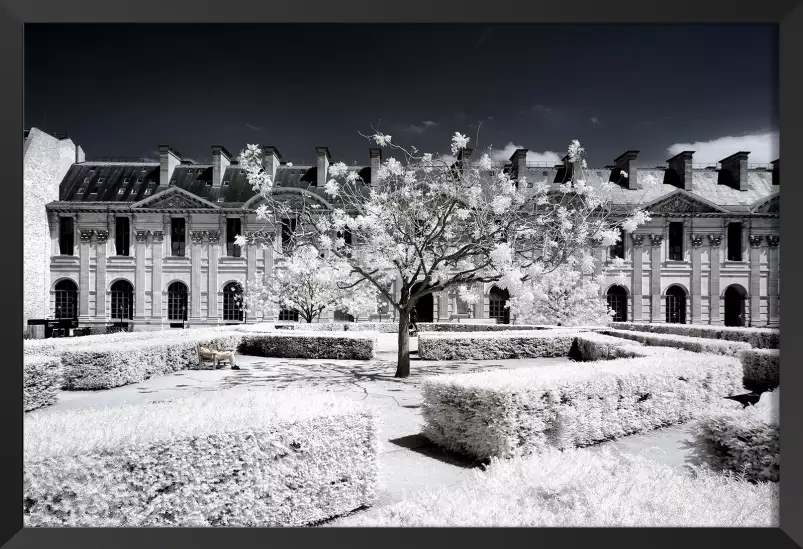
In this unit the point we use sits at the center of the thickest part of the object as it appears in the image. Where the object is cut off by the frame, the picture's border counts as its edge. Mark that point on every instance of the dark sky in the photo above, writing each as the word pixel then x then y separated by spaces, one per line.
pixel 122 90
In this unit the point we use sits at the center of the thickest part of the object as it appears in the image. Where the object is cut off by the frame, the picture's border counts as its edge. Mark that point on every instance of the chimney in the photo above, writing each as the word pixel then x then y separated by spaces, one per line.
pixel 519 160
pixel 220 161
pixel 323 164
pixel 79 154
pixel 776 172
pixel 271 160
pixel 680 172
pixel 733 172
pixel 169 158
pixel 625 162
pixel 376 160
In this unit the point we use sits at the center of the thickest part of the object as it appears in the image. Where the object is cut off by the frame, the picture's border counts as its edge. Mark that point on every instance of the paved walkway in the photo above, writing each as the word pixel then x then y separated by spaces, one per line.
pixel 408 462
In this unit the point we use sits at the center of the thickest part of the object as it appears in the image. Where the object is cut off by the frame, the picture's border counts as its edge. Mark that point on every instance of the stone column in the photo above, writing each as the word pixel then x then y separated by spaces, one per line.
pixel 655 277
pixel 141 238
pixel 211 292
pixel 156 282
pixel 53 222
pixel 637 291
pixel 443 306
pixel 479 306
pixel 773 286
pixel 83 276
pixel 268 253
pixel 696 289
pixel 755 279
pixel 715 259
pixel 251 255
pixel 100 274
pixel 195 277
pixel 167 228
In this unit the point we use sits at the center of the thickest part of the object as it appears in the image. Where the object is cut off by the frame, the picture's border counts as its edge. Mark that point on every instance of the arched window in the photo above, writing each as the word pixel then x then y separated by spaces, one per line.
pixel 177 302
pixel 496 305
pixel 617 302
pixel 734 305
pixel 66 300
pixel 675 305
pixel 122 300
pixel 233 302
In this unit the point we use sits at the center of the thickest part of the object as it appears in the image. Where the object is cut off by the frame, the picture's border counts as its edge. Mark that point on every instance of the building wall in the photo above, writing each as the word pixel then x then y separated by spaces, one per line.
pixel 46 160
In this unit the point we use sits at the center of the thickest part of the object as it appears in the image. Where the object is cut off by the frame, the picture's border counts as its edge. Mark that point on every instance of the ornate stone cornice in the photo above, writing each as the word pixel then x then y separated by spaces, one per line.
pixel 755 240
pixel 214 236
pixel 86 236
pixel 773 240
pixel 696 240
pixel 141 236
pixel 715 240
pixel 656 239
pixel 158 236
pixel 102 236
pixel 638 239
pixel 197 236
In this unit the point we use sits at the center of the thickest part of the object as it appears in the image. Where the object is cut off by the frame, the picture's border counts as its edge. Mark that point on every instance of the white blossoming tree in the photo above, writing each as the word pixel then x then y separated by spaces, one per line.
pixel 305 282
pixel 431 226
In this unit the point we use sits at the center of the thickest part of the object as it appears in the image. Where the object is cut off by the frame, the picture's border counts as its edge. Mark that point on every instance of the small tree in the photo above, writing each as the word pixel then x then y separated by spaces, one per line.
pixel 305 282
pixel 430 224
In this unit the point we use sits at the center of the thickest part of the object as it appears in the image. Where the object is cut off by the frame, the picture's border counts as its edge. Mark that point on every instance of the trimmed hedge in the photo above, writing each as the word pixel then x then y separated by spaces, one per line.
pixel 467 327
pixel 320 345
pixel 103 366
pixel 504 413
pixel 583 488
pixel 41 381
pixel 762 369
pixel 744 442
pixel 762 338
pixel 244 458
pixel 693 344
pixel 589 347
pixel 487 346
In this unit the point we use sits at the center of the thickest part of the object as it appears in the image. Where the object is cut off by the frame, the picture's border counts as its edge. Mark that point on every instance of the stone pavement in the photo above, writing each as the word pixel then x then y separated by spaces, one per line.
pixel 408 462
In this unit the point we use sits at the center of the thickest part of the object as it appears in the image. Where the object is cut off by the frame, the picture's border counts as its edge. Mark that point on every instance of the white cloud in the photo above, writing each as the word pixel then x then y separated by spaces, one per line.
pixel 504 154
pixel 763 148
pixel 594 120
pixel 421 128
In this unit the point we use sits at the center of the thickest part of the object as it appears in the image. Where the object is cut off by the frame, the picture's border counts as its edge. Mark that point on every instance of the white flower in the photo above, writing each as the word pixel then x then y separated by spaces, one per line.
pixel 462 214
pixel 382 140
pixel 352 176
pixel 332 188
pixel 338 169
pixel 262 211
pixel 623 174
pixel 459 141
pixel 239 240
pixel 575 151
pixel 501 204
pixel 485 162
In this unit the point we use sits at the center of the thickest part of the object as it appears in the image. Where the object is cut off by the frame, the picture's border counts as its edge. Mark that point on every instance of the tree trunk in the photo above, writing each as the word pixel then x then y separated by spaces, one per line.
pixel 403 367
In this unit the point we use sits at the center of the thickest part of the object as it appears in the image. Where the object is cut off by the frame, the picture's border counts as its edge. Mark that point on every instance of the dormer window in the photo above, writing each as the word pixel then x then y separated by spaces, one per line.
pixel 242 172
pixel 190 171
pixel 226 183
pixel 127 180
pixel 147 192
pixel 173 182
pixel 86 180
pixel 220 200
pixel 101 180
pixel 208 183
pixel 139 180
pixel 121 191
pixel 144 169
pixel 81 190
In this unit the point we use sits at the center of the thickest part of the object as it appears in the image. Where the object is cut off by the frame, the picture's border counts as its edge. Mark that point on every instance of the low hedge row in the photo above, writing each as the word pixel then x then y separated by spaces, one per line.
pixel 300 345
pixel 504 413
pixel 489 346
pixel 41 381
pixel 583 488
pixel 288 458
pixel 467 327
pixel 393 327
pixel 103 366
pixel 590 346
pixel 762 369
pixel 743 442
pixel 762 338
pixel 693 344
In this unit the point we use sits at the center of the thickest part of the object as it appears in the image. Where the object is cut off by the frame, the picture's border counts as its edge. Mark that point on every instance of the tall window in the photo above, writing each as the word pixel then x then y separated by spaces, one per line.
pixel 676 241
pixel 734 241
pixel 288 228
pixel 177 302
pixel 66 300
pixel 675 305
pixel 122 236
pixel 496 305
pixel 617 302
pixel 618 249
pixel 286 314
pixel 122 300
pixel 233 228
pixel 66 235
pixel 178 244
pixel 233 302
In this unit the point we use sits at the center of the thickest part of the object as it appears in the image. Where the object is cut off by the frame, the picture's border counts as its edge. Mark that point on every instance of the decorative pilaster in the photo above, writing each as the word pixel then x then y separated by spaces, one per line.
pixel 211 292
pixel 655 277
pixel 714 260
pixel 167 228
pixel 141 238
pixel 251 255
pixel 696 278
pixel 53 224
pixel 156 281
pixel 638 277
pixel 83 276
pixel 773 284
pixel 443 306
pixel 195 276
pixel 755 278
pixel 102 238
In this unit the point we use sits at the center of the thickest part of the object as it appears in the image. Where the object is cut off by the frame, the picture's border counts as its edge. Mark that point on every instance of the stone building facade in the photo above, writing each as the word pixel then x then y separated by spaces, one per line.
pixel 151 243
